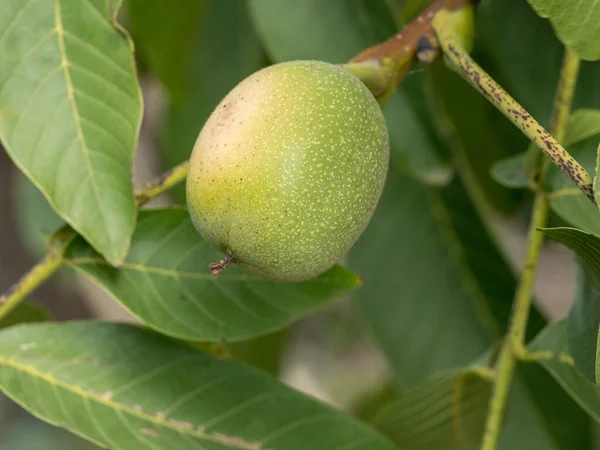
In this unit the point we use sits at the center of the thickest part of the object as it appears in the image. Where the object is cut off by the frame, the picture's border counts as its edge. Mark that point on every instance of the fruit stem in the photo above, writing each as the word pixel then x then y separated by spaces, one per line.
pixel 491 90
pixel 383 66
pixel 216 267
pixel 162 184
pixel 44 269
pixel 513 348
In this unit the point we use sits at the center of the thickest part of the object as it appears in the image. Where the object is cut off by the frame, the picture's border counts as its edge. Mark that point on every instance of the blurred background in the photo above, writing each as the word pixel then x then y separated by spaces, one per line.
pixel 330 354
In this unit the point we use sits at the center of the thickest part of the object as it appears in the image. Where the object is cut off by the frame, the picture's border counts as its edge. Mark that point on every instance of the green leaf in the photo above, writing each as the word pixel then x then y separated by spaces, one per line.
pixel 70 112
pixel 264 352
pixel 446 411
pixel 164 33
pixel 583 124
pixel 565 199
pixel 584 323
pixel 224 52
pixel 410 237
pixel 338 31
pixel 510 172
pixel 166 283
pixel 437 294
pixel 513 56
pixel 25 313
pixel 554 339
pixel 584 317
pixel 127 388
pixel 576 22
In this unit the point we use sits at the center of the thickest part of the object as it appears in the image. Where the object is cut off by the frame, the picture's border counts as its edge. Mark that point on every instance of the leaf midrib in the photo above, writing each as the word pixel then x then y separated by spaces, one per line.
pixel 182 274
pixel 86 395
pixel 60 33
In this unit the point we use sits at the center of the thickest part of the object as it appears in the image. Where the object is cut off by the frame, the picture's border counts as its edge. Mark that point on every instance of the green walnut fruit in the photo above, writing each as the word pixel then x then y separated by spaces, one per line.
pixel 288 169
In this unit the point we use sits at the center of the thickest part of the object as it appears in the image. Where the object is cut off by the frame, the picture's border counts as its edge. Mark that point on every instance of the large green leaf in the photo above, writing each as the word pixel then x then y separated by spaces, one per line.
pixel 224 51
pixel 526 57
pixel 165 282
pixel 437 293
pixel 71 111
pixel 554 339
pixel 584 323
pixel 444 412
pixel 339 30
pixel 410 237
pixel 127 388
pixel 576 22
pixel 264 352
pixel 584 317
pixel 164 33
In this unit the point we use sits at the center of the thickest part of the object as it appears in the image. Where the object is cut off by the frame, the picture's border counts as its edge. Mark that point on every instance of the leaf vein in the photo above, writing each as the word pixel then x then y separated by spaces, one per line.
pixel 25 57
pixel 113 64
pixel 107 107
pixel 77 390
pixel 15 19
pixel 61 42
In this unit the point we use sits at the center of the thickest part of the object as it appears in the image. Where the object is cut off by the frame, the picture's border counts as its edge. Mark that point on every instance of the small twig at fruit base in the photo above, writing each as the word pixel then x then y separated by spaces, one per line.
pixel 216 267
pixel 162 184
pixel 53 260
pixel 479 79
pixel 383 66
pixel 514 348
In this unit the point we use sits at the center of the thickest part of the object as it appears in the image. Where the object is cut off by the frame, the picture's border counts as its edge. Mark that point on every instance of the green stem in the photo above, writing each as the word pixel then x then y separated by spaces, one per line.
pixel 513 348
pixel 507 359
pixel 383 67
pixel 479 79
pixel 53 260
pixel 162 184
pixel 534 357
pixel 30 281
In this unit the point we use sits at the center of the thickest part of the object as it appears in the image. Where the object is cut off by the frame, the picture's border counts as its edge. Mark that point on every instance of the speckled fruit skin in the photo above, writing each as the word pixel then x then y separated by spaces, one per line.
pixel 287 171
